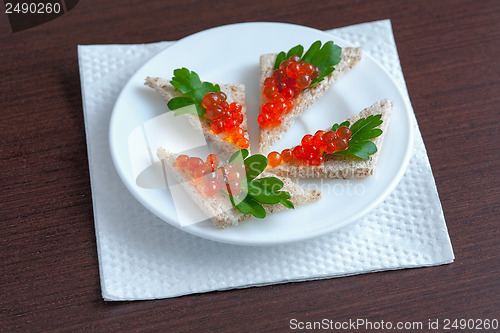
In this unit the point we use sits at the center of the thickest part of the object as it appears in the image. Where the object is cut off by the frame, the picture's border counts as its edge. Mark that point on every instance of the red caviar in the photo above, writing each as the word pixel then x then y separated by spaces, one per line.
pixel 226 117
pixel 209 177
pixel 213 161
pixel 274 159
pixel 285 83
pixel 211 188
pixel 182 160
pixel 286 155
pixel 312 147
pixel 344 132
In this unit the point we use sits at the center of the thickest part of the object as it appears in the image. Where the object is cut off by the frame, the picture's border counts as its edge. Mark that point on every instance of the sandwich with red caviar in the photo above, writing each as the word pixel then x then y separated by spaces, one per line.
pixel 220 109
pixel 235 192
pixel 345 151
pixel 291 82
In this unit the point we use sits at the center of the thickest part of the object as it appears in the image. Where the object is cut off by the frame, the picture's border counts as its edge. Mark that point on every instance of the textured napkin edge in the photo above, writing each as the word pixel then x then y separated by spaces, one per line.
pixel 110 297
pixel 89 157
pixel 107 296
pixel 102 280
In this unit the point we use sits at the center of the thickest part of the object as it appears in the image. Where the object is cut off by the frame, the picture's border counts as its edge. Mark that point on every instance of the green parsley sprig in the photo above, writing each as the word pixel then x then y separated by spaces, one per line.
pixel 190 85
pixel 324 57
pixel 257 191
pixel 363 131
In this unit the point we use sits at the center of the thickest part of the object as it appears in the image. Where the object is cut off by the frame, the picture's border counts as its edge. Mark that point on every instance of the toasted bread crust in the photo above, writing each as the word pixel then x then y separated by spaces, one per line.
pixel 306 99
pixel 234 92
pixel 343 167
pixel 220 209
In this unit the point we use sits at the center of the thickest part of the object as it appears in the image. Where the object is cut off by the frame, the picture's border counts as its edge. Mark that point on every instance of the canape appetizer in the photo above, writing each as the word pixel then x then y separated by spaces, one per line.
pixel 346 150
pixel 291 82
pixel 220 109
pixel 237 191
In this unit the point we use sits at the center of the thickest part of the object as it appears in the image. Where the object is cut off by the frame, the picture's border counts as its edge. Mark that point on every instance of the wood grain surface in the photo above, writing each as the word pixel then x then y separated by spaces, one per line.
pixel 49 278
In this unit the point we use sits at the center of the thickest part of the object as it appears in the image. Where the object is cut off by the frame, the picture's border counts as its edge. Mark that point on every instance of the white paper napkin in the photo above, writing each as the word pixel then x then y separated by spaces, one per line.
pixel 142 257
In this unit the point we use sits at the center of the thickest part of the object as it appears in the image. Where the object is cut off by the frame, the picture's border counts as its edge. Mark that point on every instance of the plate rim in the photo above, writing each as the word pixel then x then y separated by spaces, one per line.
pixel 218 237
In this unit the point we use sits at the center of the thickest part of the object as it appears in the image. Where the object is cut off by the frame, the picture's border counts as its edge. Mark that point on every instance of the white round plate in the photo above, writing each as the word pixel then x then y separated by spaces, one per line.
pixel 230 54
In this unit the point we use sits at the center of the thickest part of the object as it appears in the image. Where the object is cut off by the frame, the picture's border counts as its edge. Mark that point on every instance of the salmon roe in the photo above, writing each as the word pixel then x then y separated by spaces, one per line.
pixel 225 118
pixel 274 159
pixel 280 89
pixel 209 177
pixel 313 147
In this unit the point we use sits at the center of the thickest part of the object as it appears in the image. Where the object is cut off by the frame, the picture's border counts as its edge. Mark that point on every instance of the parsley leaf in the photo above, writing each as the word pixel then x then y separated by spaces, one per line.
pixel 239 156
pixel 364 128
pixel 296 50
pixel 324 57
pixel 184 107
pixel 258 191
pixel 267 190
pixel 363 131
pixel 240 204
pixel 190 85
pixel 360 149
pixel 255 165
pixel 336 126
pixel 256 208
pixel 269 184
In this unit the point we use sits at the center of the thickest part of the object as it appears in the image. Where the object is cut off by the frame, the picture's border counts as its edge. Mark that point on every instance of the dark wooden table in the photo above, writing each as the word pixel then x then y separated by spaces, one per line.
pixel 49 277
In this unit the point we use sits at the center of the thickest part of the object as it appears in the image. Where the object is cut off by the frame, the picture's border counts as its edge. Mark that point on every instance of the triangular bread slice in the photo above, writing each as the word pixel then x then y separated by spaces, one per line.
pixel 220 210
pixel 305 100
pixel 343 167
pixel 234 92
